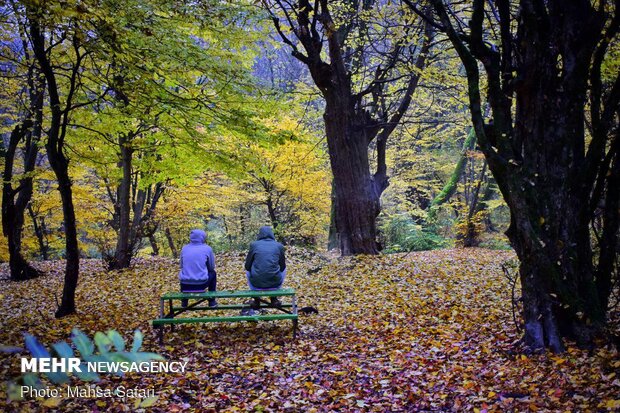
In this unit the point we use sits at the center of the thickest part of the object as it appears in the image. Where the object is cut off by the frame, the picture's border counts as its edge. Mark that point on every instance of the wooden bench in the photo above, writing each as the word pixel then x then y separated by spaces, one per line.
pixel 288 310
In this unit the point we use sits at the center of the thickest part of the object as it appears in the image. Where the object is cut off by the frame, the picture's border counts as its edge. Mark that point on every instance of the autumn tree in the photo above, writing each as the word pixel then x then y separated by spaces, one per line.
pixel 24 89
pixel 289 178
pixel 166 88
pixel 366 74
pixel 557 165
pixel 63 40
pixel 122 152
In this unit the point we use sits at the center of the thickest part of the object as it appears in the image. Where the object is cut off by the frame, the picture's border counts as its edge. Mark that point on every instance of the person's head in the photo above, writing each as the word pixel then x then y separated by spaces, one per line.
pixel 265 233
pixel 197 236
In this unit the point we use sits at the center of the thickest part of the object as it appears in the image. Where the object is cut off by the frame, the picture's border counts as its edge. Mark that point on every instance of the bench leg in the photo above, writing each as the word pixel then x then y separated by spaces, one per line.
pixel 171 314
pixel 160 333
pixel 294 311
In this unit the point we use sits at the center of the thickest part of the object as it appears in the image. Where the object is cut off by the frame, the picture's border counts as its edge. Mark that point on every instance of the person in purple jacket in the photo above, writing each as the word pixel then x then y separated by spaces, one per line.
pixel 197 263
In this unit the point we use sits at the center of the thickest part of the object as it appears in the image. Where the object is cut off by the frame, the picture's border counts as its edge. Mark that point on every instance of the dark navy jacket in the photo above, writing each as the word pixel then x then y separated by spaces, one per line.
pixel 265 260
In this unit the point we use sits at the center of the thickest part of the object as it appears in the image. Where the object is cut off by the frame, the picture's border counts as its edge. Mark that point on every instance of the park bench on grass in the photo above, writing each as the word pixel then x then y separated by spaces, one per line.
pixel 199 302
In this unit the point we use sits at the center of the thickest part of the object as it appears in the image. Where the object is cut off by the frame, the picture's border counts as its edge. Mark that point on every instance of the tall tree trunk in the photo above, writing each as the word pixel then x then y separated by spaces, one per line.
pixel 243 212
pixel 332 238
pixel 356 201
pixel 153 242
pixel 123 251
pixel 39 231
pixel 550 226
pixel 12 209
pixel 352 120
pixel 59 163
pixel 173 248
pixel 16 200
pixel 608 242
pixel 548 173
pixel 273 216
pixel 471 238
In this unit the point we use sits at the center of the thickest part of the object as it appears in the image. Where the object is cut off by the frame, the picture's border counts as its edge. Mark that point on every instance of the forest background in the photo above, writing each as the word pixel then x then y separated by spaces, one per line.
pixel 230 137
pixel 353 128
pixel 357 126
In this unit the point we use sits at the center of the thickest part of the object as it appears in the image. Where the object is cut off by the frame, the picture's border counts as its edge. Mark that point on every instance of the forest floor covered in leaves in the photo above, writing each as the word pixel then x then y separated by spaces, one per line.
pixel 427 331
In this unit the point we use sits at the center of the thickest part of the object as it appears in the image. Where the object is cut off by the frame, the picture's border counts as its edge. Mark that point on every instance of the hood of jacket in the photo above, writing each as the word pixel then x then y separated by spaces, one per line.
pixel 265 233
pixel 197 236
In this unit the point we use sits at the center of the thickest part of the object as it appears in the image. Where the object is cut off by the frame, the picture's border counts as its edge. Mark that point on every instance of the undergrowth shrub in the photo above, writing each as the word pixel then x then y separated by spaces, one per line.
pixel 400 233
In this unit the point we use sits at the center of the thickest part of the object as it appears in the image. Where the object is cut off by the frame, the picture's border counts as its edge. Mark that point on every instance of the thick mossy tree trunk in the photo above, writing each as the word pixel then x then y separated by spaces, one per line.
pixel 550 218
pixel 356 200
pixel 552 178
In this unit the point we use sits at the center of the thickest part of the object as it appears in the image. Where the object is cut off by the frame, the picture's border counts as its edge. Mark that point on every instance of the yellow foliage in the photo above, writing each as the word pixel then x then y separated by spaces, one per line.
pixel 295 177
pixel 4 248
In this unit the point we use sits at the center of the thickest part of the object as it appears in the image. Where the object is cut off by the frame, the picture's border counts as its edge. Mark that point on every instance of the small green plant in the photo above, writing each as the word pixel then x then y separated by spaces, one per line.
pixel 496 243
pixel 401 234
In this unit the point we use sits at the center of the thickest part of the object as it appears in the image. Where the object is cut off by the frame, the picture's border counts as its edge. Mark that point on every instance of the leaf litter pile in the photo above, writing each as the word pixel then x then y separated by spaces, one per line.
pixel 427 331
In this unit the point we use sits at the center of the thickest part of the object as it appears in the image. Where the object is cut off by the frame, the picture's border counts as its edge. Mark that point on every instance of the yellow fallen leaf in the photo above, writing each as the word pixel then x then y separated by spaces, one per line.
pixel 149 401
pixel 468 384
pixel 52 402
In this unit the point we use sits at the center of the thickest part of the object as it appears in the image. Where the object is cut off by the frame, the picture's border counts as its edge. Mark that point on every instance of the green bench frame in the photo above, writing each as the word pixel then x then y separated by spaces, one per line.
pixel 289 310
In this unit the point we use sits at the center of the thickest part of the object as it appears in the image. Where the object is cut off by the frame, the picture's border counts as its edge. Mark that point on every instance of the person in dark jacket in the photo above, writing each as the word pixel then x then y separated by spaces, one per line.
pixel 265 264
pixel 197 272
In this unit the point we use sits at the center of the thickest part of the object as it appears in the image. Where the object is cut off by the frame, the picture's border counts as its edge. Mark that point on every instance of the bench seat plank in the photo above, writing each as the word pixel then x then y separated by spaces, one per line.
pixel 266 317
pixel 226 307
pixel 230 294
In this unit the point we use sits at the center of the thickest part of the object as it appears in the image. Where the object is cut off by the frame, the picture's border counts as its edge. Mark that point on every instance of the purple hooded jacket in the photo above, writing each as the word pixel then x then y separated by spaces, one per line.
pixel 197 259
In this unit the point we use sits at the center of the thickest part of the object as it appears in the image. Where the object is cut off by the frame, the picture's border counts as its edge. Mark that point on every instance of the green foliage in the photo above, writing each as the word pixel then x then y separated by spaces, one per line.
pixel 450 187
pixel 401 233
pixel 106 347
pixel 181 91
pixel 496 244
